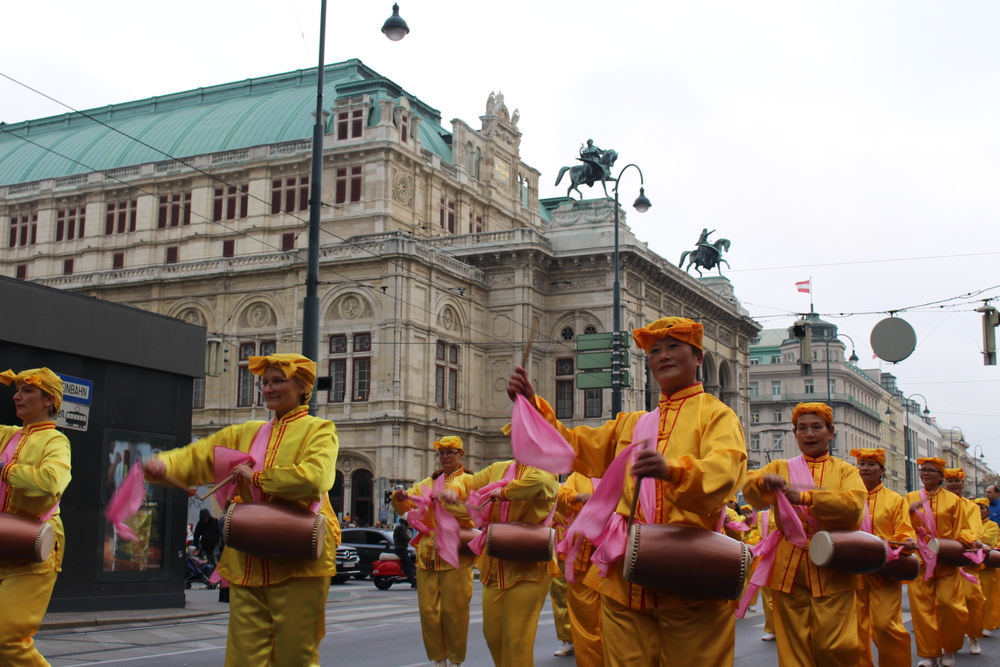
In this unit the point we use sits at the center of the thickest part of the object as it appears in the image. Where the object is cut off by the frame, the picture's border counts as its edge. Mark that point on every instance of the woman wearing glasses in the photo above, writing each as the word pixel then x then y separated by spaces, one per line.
pixel 443 591
pixel 277 607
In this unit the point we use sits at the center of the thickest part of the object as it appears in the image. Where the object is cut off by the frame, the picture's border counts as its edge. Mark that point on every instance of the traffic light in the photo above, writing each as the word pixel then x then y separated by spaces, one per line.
pixel 990 321
pixel 215 357
pixel 387 497
pixel 802 330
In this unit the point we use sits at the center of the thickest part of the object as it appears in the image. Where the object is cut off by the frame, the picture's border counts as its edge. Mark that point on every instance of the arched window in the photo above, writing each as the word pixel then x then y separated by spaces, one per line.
pixel 470 157
pixel 479 162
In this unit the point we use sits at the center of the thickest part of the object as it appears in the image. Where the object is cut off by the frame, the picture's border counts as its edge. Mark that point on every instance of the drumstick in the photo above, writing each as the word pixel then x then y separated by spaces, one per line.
pixel 900 544
pixel 176 482
pixel 527 348
pixel 487 502
pixel 218 486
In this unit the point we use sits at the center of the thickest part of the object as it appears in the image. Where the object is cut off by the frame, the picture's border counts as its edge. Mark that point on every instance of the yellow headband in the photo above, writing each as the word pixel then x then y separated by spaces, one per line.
pixel 681 328
pixel 42 378
pixel 821 409
pixel 449 442
pixel 982 502
pixel 934 461
pixel 865 454
pixel 954 473
pixel 746 507
pixel 292 365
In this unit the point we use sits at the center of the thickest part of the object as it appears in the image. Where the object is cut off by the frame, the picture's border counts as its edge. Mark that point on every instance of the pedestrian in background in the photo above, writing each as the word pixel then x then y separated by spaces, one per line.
pixel 401 537
pixel 206 536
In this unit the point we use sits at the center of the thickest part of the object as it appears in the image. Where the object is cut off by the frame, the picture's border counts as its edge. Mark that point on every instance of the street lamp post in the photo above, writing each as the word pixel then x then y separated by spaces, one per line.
pixel 395 28
pixel 976 464
pixel 911 454
pixel 642 205
pixel 951 439
pixel 829 390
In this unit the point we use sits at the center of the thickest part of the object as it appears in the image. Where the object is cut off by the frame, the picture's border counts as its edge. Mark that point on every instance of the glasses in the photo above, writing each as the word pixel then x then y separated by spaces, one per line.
pixel 931 470
pixel 273 384
pixel 448 452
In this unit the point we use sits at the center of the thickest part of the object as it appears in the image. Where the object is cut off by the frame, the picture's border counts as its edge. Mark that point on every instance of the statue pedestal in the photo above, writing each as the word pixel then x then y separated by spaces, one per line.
pixel 721 286
pixel 588 224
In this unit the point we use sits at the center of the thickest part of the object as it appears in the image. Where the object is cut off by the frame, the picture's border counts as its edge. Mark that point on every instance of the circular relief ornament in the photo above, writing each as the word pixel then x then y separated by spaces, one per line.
pixel 351 306
pixel 347 465
pixel 401 188
pixel 259 315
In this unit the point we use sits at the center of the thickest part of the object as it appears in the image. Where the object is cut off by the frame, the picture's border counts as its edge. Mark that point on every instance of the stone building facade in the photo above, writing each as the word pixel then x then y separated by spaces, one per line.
pixel 437 259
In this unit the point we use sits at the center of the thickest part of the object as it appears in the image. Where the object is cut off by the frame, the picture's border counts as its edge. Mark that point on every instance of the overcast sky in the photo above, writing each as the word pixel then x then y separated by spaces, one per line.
pixel 853 142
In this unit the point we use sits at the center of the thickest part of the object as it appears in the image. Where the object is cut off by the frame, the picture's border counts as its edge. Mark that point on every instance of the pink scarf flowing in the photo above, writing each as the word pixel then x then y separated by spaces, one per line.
pixel 125 503
pixel 599 520
pixel 925 533
pixel 790 529
pixel 536 442
pixel 446 532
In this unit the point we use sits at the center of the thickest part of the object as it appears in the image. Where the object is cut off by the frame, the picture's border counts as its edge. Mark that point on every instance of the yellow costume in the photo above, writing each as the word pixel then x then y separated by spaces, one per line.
pixel 975 598
pixel 443 593
pixel 514 592
pixel 558 589
pixel 278 607
pixel 702 441
pixel 36 478
pixel 812 605
pixel 989 577
pixel 880 601
pixel 938 605
pixel 583 601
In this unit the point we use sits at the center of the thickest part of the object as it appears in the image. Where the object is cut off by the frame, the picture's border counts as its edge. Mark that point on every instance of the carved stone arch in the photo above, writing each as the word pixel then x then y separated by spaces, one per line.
pixel 192 311
pixel 348 305
pixel 243 307
pixel 348 461
pixel 728 384
pixel 709 375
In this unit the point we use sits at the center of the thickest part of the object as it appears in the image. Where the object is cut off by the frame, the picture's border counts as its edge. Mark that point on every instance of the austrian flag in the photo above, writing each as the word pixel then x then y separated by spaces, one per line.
pixel 804 286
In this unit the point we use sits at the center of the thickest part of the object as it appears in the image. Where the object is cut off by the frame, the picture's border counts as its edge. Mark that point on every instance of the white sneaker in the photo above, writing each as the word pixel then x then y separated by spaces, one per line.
pixel 769 637
pixel 565 649
pixel 927 662
pixel 751 608
pixel 987 633
pixel 440 663
pixel 974 647
pixel 947 659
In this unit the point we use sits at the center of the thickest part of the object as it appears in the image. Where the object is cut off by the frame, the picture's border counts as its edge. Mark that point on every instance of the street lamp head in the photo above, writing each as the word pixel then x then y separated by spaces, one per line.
pixel 395 27
pixel 888 411
pixel 642 204
pixel 927 410
pixel 853 358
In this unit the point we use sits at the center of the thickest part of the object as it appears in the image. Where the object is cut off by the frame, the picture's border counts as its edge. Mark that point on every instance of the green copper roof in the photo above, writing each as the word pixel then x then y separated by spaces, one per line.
pixel 247 113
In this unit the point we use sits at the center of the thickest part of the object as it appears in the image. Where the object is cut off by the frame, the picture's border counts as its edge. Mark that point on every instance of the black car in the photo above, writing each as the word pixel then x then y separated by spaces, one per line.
pixel 347 564
pixel 370 543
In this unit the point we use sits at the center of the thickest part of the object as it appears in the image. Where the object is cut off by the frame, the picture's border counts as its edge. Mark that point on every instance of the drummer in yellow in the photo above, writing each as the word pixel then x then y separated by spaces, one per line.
pixel 277 607
pixel 954 481
pixel 443 592
pixel 812 605
pixel 583 601
pixel 34 473
pixel 513 592
pixel 698 463
pixel 989 577
pixel 880 601
pixel 937 604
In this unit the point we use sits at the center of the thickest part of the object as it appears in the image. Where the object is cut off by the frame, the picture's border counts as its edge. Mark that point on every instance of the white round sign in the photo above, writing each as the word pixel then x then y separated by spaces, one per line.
pixel 893 339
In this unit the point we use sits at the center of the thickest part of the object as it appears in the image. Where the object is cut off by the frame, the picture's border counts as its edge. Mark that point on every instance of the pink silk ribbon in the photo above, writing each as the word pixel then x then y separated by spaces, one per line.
pixel 924 535
pixel 599 520
pixel 125 502
pixel 536 442
pixel 447 531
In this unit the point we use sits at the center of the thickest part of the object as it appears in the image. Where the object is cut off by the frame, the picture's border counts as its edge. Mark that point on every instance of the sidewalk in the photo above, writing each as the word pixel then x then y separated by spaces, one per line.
pixel 199 603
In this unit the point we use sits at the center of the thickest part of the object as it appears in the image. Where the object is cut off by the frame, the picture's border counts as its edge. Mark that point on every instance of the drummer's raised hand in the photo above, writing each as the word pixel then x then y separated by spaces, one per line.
pixel 650 463
pixel 916 507
pixel 910 544
pixel 519 384
pixel 794 496
pixel 582 498
pixel 446 496
pixel 399 495
pixel 772 482
pixel 155 468
pixel 979 545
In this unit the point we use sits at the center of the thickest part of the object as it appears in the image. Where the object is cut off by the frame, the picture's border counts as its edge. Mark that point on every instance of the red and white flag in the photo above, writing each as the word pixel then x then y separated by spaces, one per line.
pixel 804 286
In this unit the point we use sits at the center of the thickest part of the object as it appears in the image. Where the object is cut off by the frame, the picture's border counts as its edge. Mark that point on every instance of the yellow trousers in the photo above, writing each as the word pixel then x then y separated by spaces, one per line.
pixel 990 578
pixel 815 631
pixel 880 619
pixel 768 602
pixel 976 603
pixel 697 633
pixel 444 597
pixel 23 601
pixel 560 613
pixel 279 625
pixel 585 621
pixel 939 613
pixel 510 620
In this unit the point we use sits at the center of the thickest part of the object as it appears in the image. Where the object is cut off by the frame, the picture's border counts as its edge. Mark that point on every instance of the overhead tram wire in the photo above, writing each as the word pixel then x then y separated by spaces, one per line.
pixel 230 185
pixel 865 261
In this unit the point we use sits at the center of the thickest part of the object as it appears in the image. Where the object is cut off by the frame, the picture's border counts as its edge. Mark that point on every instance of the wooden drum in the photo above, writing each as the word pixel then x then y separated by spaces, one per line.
pixel 853 551
pixel 466 535
pixel 270 530
pixel 25 540
pixel 904 568
pixel 686 561
pixel 949 552
pixel 516 541
pixel 992 558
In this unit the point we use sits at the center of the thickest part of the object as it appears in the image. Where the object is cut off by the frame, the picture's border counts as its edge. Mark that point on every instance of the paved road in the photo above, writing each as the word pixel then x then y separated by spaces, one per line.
pixel 366 627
